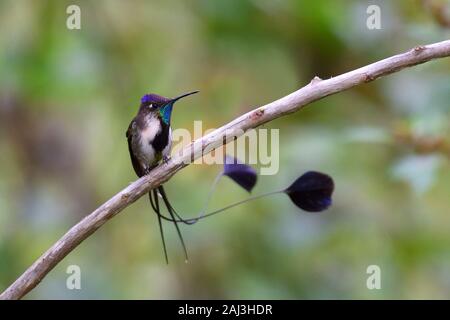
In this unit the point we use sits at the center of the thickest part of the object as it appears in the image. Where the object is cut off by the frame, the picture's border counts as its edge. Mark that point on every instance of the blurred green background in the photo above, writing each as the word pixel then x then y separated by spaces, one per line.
pixel 67 97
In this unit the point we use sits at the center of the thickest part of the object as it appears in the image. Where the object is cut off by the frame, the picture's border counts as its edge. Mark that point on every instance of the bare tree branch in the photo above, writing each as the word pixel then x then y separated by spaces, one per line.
pixel 314 91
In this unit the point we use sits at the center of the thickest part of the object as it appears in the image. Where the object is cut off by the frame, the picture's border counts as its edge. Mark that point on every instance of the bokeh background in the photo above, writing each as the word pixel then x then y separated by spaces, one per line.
pixel 67 97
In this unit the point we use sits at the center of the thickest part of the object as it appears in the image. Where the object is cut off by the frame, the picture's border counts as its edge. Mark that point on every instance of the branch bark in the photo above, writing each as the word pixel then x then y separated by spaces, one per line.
pixel 315 90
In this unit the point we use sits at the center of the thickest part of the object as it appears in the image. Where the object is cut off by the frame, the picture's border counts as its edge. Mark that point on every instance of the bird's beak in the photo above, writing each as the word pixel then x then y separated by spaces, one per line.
pixel 183 95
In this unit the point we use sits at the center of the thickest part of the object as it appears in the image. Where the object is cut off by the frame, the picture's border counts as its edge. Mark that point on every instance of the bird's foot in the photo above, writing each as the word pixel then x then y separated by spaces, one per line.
pixel 166 159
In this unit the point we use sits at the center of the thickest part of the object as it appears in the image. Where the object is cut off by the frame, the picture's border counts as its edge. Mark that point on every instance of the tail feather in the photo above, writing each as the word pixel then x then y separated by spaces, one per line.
pixel 155 205
pixel 312 191
pixel 175 213
pixel 172 213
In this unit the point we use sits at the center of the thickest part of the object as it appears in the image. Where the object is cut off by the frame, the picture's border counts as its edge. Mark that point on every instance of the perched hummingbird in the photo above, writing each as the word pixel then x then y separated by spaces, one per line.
pixel 149 143
pixel 150 140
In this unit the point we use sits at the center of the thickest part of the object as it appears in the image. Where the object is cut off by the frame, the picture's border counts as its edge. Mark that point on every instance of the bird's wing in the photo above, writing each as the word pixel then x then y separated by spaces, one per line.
pixel 136 165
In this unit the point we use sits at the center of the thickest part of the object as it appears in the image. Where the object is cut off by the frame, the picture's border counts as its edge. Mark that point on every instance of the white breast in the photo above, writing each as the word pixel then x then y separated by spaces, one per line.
pixel 147 135
pixel 168 148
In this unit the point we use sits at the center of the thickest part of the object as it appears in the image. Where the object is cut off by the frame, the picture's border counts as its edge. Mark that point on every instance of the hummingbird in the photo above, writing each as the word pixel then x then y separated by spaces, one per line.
pixel 149 138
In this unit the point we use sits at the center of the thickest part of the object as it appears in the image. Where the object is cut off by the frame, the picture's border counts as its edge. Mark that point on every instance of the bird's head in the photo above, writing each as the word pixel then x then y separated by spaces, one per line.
pixel 161 106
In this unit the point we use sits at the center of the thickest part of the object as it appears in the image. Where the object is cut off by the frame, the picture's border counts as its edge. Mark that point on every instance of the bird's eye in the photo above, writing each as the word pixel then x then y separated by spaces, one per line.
pixel 151 106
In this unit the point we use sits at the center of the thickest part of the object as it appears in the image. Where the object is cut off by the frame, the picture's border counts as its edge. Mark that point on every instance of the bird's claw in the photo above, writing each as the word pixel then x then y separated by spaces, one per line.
pixel 166 159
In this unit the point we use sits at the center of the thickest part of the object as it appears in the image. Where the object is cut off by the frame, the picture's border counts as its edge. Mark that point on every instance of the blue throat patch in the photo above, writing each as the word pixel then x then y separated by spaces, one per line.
pixel 165 112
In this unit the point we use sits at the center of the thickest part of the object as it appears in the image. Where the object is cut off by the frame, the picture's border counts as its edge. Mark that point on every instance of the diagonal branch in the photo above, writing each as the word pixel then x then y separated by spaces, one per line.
pixel 314 91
